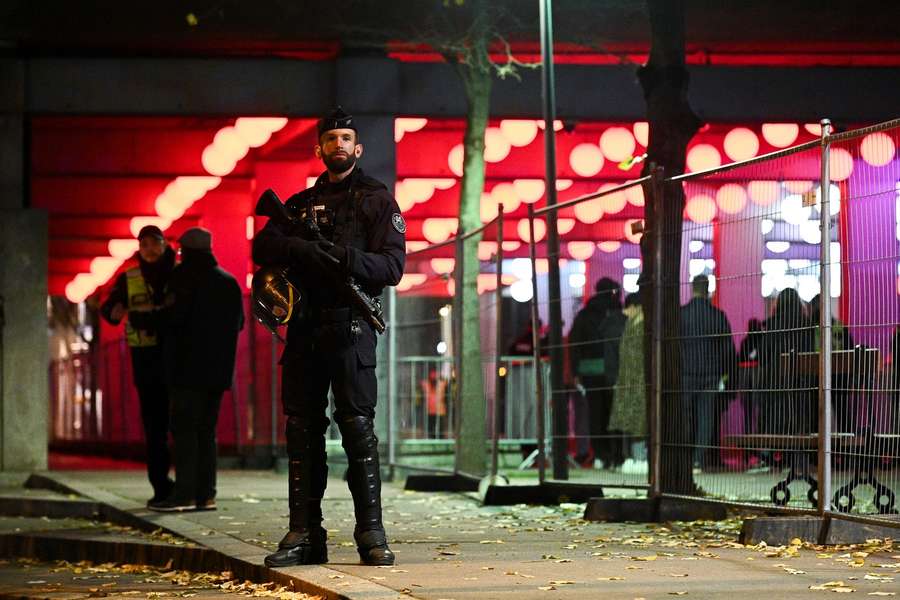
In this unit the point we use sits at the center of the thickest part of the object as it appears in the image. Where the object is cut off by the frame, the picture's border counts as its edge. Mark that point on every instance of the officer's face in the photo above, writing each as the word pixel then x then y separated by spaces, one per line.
pixel 151 248
pixel 338 149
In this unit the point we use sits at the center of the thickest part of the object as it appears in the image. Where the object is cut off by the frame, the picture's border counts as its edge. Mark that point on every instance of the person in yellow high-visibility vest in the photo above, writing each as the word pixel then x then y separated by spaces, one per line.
pixel 136 297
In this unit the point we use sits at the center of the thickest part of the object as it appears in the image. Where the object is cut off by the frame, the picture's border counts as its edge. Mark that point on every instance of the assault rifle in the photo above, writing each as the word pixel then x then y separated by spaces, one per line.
pixel 270 205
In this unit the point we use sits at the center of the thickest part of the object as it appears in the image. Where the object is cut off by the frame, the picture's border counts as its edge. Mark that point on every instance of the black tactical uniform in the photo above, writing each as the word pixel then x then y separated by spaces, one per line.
pixel 329 344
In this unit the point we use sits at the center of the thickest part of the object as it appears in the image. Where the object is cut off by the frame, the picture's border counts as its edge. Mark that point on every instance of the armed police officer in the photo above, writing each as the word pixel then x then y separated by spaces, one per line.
pixel 330 343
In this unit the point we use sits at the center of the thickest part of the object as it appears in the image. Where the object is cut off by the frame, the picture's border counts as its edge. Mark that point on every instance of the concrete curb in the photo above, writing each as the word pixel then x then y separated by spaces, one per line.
pixel 243 559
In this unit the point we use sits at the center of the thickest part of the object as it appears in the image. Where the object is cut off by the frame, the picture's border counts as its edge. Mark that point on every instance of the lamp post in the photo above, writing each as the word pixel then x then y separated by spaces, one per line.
pixel 558 397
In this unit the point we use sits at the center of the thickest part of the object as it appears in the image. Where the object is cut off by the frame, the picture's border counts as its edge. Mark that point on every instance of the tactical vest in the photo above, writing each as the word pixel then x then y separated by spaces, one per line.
pixel 140 299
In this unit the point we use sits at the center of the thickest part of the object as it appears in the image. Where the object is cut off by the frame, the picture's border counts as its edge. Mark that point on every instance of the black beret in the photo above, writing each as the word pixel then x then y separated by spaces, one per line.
pixel 337 119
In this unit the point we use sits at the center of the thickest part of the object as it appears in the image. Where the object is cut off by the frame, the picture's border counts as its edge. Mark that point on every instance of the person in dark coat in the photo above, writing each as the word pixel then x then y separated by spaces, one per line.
pixel 136 297
pixel 787 396
pixel 203 316
pixel 594 362
pixel 708 360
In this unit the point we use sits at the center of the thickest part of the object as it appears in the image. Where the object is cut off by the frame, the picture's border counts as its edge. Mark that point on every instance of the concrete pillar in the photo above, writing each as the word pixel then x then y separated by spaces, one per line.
pixel 372 101
pixel 24 398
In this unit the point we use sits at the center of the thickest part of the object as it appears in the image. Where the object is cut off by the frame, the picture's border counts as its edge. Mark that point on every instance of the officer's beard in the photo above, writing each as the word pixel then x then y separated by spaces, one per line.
pixel 339 165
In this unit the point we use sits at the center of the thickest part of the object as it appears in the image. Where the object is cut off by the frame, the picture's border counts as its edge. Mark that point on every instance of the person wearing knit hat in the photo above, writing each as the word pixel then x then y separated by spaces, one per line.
pixel 196 238
pixel 136 297
pixel 202 318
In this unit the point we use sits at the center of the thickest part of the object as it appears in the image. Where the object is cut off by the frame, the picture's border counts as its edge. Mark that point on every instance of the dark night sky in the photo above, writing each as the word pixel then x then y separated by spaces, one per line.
pixel 244 27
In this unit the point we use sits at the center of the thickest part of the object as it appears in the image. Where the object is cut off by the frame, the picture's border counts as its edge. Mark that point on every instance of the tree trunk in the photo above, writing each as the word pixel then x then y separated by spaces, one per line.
pixel 471 447
pixel 673 123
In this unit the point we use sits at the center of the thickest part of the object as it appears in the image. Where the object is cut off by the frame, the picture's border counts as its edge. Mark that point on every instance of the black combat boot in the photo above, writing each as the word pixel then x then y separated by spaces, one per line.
pixel 305 542
pixel 364 481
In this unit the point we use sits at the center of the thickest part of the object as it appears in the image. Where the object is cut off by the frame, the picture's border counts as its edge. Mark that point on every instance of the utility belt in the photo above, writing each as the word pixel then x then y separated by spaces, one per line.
pixel 326 316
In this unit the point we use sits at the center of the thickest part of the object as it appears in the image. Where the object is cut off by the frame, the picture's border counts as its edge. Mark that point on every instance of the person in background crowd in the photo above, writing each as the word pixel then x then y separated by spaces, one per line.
pixel 787 396
pixel 434 391
pixel 748 380
pixel 203 315
pixel 594 363
pixel 136 297
pixel 708 360
pixel 629 410
pixel 841 383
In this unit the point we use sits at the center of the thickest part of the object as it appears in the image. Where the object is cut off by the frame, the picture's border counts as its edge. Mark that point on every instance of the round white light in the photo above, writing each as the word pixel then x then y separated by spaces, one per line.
pixel 519 132
pixel 793 211
pixel 496 146
pixel 580 250
pixel 577 280
pixel 521 290
pixel 524 231
pixel 763 193
pixel 810 232
pixel 740 144
pixel 700 209
pixel 702 157
pixel 731 198
pixel 609 246
pixel 642 133
pixel 589 211
pixel 877 149
pixel 834 199
pixel 780 135
pixel 612 203
pixel 455 160
pixel 586 160
pixel 617 144
pixel 840 164
pixel 529 190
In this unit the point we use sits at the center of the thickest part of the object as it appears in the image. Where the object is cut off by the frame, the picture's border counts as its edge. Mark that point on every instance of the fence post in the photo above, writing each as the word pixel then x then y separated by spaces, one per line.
pixel 655 415
pixel 457 318
pixel 391 377
pixel 824 467
pixel 498 376
pixel 536 351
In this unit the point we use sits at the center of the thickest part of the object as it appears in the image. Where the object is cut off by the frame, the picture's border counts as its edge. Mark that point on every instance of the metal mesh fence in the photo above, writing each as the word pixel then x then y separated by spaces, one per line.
pixel 747 402
pixel 603 391
pixel 422 412
pixel 864 332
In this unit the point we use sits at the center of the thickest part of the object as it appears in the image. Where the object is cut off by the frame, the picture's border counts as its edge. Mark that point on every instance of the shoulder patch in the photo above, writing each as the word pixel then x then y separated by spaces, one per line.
pixel 398 222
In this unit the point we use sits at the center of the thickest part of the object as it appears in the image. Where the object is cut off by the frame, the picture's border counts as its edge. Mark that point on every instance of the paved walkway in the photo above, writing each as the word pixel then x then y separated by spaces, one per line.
pixel 448 546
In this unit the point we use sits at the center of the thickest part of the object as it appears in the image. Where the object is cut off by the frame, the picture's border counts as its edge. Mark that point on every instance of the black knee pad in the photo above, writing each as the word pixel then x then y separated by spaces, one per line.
pixel 358 437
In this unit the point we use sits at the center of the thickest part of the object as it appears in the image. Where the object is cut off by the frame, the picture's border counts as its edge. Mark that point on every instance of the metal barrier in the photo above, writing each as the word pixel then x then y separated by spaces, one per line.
pixel 768 362
pixel 439 400
pixel 603 425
